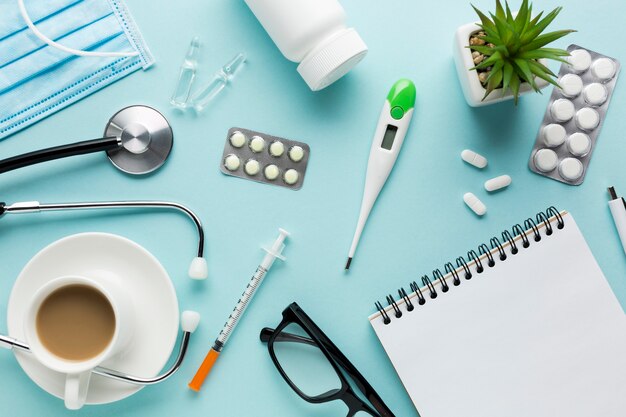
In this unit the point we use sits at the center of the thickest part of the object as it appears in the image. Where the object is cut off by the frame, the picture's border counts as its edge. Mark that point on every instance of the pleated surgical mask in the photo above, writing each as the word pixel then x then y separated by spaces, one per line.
pixel 55 52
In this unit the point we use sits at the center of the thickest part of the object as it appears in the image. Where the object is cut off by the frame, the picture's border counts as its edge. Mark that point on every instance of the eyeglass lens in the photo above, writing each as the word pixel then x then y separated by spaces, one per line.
pixel 305 364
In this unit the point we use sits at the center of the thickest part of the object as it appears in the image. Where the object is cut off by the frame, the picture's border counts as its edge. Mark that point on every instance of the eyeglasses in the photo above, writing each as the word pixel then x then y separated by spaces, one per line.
pixel 315 368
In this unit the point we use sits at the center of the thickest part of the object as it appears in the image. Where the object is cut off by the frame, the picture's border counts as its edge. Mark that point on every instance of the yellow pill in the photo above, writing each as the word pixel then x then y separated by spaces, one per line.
pixel 271 172
pixel 252 167
pixel 277 148
pixel 291 176
pixel 296 153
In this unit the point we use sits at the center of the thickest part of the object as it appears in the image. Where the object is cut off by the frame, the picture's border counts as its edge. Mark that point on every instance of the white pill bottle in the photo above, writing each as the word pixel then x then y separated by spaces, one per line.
pixel 314 34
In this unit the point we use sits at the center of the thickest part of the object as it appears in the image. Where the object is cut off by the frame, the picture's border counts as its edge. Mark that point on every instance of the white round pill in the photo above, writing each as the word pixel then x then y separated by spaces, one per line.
pixel 252 167
pixel 271 172
pixel 296 153
pixel 579 60
pixel 232 162
pixel 257 143
pixel 595 94
pixel 562 110
pixel 579 144
pixel 545 160
pixel 277 148
pixel 237 139
pixel 603 68
pixel 587 118
pixel 291 176
pixel 571 85
pixel 571 169
pixel 553 135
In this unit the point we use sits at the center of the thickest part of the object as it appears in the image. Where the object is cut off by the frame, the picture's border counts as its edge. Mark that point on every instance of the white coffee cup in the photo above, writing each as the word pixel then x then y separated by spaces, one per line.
pixel 78 372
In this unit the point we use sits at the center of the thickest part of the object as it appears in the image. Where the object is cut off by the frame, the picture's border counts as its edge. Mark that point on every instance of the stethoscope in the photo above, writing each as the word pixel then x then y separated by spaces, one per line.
pixel 197 270
pixel 137 139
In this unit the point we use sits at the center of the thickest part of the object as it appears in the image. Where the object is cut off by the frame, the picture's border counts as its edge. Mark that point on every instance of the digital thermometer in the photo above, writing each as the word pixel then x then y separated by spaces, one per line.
pixel 390 132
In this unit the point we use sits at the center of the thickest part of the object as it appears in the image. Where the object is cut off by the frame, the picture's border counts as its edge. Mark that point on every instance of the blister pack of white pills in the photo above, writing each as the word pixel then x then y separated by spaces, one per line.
pixel 571 125
pixel 265 158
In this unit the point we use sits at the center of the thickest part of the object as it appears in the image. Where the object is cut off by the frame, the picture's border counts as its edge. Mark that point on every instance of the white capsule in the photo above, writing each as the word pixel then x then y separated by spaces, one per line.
pixel 474 158
pixel 475 204
pixel 497 183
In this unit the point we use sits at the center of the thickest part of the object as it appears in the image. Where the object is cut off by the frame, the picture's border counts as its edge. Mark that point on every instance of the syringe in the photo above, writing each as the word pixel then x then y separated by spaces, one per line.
pixel 272 253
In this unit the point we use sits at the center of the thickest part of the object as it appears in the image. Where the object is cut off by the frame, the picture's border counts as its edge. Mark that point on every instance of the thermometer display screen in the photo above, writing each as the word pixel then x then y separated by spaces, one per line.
pixel 390 135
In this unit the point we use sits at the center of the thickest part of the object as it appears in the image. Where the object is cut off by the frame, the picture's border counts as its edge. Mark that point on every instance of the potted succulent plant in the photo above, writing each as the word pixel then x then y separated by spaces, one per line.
pixel 504 56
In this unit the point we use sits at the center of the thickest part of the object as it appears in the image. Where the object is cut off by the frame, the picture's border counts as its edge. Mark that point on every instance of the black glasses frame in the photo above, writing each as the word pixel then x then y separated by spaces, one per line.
pixel 293 314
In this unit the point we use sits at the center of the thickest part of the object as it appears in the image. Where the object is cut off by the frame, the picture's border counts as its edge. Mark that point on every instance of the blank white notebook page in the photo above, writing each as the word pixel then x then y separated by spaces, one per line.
pixel 540 334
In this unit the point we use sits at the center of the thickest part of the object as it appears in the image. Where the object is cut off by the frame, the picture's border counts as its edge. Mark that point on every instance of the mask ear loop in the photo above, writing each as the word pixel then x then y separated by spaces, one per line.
pixel 64 48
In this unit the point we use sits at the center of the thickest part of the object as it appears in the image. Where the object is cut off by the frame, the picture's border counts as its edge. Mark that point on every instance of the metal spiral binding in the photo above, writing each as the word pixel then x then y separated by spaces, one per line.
pixel 530 229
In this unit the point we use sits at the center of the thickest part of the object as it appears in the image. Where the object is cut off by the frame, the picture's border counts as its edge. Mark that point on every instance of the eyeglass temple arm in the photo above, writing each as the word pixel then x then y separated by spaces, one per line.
pixel 267 333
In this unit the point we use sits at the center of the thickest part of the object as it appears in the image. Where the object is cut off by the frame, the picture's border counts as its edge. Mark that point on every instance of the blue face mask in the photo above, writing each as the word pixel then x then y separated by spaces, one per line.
pixel 55 52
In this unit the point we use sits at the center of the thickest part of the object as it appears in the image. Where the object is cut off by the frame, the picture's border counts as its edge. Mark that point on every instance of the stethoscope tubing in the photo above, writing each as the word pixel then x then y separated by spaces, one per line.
pixel 35 206
pixel 58 152
pixel 119 376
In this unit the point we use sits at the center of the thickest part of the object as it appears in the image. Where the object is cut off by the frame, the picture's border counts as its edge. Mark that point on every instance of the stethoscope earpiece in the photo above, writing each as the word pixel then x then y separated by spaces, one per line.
pixel 198 269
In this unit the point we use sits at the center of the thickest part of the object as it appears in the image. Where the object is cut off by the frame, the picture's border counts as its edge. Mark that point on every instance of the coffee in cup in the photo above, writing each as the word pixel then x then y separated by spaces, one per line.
pixel 75 322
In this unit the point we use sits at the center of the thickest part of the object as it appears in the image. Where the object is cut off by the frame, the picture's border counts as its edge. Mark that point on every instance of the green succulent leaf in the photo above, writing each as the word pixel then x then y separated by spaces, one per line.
pixel 499 10
pixel 486 23
pixel 540 26
pixel 540 71
pixel 509 14
pixel 514 46
pixel 522 15
pixel 485 50
pixel 507 75
pixel 544 53
pixel 515 84
pixel 525 72
pixel 544 39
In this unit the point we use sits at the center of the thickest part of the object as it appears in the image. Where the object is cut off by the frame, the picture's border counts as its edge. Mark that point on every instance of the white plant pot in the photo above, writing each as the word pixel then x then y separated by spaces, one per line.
pixel 472 88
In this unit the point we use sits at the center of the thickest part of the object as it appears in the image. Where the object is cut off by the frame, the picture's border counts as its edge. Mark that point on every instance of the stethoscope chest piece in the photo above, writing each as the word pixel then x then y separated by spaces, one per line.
pixel 146 139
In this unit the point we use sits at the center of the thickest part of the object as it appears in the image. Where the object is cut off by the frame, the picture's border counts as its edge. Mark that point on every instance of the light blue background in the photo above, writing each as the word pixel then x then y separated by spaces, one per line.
pixel 419 223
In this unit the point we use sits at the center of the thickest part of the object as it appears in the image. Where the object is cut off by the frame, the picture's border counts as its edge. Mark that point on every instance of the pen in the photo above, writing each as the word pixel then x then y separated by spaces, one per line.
pixel 618 211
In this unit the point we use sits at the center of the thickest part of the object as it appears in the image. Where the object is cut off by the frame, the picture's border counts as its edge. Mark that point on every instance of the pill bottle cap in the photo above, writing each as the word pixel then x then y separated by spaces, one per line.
pixel 331 61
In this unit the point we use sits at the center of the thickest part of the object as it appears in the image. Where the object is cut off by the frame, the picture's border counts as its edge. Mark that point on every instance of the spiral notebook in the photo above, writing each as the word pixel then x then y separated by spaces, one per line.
pixel 537 333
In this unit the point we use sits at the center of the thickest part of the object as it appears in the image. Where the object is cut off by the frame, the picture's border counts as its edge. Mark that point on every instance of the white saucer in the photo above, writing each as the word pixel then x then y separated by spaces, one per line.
pixel 104 256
